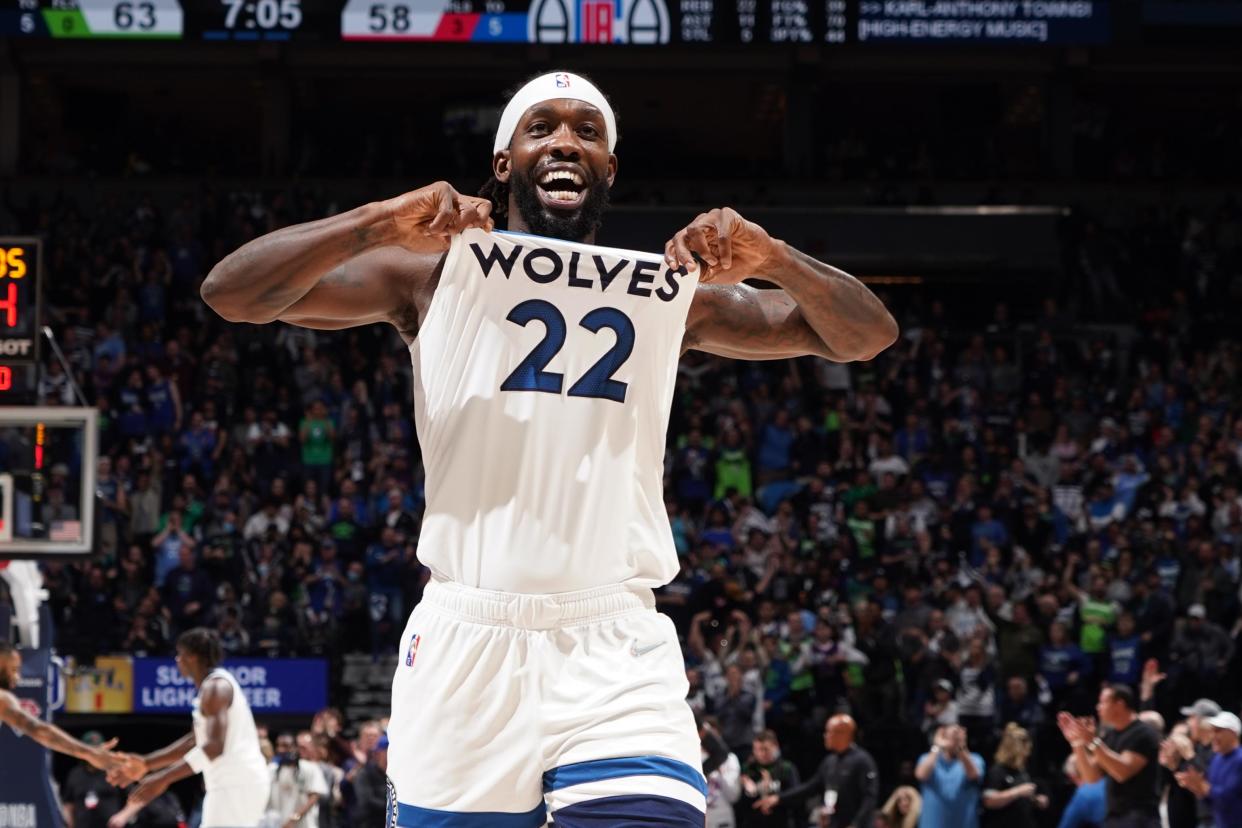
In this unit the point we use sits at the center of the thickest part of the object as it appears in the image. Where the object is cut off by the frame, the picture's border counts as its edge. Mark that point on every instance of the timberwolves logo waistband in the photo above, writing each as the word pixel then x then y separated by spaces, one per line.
pixel 598 21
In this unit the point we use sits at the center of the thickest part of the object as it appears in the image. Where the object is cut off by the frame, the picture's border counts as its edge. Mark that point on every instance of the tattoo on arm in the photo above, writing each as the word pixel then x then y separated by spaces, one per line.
pixel 338 277
pixel 362 239
pixel 279 296
pixel 21 721
pixel 48 735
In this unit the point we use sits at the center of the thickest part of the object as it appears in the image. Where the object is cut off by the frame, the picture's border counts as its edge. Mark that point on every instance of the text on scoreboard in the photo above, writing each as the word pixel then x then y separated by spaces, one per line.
pixel 280 686
pixel 637 22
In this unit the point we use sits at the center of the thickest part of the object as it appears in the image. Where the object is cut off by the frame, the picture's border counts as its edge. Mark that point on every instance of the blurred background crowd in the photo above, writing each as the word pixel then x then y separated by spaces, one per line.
pixel 985 523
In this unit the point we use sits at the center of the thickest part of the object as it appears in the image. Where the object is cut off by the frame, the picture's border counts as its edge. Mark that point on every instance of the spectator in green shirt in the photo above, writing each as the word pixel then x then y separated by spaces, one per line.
pixel 1098 616
pixel 316 433
pixel 863 528
pixel 733 467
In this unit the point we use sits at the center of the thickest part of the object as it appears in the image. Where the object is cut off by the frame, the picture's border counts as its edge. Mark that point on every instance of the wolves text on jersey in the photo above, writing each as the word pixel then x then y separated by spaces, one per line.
pixel 544 266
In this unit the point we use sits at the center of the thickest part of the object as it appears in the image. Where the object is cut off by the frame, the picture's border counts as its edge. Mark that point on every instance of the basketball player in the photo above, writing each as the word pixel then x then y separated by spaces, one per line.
pixel 45 733
pixel 223 746
pixel 536 675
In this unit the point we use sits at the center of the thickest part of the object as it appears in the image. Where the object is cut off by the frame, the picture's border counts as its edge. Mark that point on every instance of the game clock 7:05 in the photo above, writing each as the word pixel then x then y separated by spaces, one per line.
pixel 262 14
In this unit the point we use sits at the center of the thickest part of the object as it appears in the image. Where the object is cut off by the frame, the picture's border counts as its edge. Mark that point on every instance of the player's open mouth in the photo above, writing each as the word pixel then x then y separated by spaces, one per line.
pixel 561 188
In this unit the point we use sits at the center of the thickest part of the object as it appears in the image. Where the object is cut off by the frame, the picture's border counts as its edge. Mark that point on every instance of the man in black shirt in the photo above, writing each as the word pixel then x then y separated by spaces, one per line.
pixel 846 779
pixel 1126 754
pixel 766 775
pixel 89 799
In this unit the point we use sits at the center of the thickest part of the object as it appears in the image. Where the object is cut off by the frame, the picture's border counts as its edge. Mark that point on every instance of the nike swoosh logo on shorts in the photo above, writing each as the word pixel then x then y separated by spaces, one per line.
pixel 637 651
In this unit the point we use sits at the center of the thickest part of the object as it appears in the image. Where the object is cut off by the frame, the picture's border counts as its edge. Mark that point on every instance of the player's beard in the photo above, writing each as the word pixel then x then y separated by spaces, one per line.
pixel 541 221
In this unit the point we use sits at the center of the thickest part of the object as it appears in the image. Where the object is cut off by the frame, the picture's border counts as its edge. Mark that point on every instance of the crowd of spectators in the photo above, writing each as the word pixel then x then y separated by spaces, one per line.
pixel 956 536
pixel 985 523
pixel 325 779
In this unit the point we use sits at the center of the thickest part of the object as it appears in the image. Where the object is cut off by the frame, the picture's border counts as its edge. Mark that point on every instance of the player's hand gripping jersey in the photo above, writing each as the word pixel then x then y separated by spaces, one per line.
pixel 543 376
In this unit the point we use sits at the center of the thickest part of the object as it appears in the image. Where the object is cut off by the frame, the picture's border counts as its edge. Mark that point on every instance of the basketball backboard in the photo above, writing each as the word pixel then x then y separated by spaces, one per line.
pixel 48 457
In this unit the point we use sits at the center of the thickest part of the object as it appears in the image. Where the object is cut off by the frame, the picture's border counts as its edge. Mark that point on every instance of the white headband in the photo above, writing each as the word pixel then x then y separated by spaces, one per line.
pixel 547 88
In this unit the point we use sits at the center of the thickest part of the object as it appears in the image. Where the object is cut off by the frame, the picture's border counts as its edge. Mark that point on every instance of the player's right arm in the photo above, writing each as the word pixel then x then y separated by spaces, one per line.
pixel 52 737
pixel 164 757
pixel 351 269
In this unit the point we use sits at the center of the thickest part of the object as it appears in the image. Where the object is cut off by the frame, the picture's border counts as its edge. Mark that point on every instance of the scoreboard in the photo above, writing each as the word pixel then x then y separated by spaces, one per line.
pixel 639 22
pixel 21 268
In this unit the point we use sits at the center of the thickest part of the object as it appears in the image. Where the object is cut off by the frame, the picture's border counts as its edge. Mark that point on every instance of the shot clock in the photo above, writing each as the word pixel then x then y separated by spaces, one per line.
pixel 21 266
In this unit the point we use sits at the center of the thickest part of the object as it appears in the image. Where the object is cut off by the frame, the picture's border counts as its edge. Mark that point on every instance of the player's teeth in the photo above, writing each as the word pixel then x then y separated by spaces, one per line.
pixel 558 175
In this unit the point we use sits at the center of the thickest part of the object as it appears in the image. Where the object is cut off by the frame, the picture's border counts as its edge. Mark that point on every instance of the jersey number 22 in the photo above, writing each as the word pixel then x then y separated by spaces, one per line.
pixel 530 374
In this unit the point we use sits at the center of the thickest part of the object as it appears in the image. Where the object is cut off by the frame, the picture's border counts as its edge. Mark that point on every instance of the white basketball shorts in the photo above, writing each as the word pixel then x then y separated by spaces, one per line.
pixel 508 707
pixel 236 807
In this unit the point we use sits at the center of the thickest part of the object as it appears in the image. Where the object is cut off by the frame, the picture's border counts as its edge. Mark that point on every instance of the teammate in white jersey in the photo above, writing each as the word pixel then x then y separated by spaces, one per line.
pixel 223 746
pixel 535 677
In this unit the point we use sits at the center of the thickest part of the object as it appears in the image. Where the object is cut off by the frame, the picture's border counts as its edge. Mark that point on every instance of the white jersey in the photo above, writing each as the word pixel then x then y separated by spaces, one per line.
pixel 543 376
pixel 242 762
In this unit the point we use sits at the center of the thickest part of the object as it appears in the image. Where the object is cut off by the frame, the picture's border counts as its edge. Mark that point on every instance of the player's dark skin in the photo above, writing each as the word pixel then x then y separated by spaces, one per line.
pixel 49 735
pixel 381 262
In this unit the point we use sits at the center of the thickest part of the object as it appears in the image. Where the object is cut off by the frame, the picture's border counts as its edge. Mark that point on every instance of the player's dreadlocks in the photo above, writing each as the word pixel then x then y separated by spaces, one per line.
pixel 496 191
pixel 203 643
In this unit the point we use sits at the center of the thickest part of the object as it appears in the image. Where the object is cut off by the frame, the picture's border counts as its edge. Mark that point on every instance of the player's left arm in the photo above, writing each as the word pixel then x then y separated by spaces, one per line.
pixel 818 309
pixel 53 738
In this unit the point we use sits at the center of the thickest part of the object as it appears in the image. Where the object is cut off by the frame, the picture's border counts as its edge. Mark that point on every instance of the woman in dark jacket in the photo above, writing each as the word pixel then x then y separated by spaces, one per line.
pixel 1009 796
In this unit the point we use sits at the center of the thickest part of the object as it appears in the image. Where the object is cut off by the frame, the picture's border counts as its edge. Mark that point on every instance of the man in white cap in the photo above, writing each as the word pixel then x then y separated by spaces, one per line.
pixel 1197 717
pixel 1222 787
pixel 536 675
